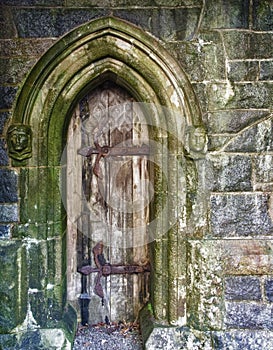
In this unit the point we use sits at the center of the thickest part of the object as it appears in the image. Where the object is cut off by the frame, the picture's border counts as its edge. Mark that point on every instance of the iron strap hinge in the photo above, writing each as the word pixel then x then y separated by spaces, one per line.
pixel 107 151
pixel 104 269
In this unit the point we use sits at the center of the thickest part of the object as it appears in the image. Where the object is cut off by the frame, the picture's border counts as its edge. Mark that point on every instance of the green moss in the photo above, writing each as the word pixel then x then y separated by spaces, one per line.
pixel 13 292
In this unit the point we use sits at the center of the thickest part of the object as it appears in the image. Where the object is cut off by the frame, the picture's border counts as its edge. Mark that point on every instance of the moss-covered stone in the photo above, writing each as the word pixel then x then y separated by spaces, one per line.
pixel 243 71
pixel 7 27
pixel 236 44
pixel 38 191
pixel 223 14
pixel 14 70
pixel 47 3
pixel 254 139
pixel 262 15
pixel 203 57
pixel 232 121
pixel 13 287
pixel 8 342
pixel 218 71
pixel 266 71
pixel 204 285
pixel 37 264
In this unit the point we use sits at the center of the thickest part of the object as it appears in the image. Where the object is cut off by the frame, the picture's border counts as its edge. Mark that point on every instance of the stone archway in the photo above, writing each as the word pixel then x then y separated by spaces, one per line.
pixel 108 49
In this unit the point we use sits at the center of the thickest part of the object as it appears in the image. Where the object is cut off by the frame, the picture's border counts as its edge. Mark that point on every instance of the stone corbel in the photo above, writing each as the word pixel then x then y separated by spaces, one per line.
pixel 196 142
pixel 19 140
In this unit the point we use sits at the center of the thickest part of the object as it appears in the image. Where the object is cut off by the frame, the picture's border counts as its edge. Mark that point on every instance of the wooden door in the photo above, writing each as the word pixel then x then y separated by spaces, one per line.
pixel 114 205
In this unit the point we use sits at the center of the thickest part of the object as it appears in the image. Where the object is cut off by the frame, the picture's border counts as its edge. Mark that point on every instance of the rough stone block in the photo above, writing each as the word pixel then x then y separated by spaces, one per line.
pixel 8 342
pixel 230 173
pixel 41 23
pixel 13 291
pixel 269 289
pixel 236 44
pixel 240 215
pixel 242 340
pixel 4 117
pixel 177 2
pixel 4 159
pixel 262 15
pixel 7 94
pixel 256 139
pixel 37 263
pixel 242 288
pixel 33 47
pixel 168 24
pixel 54 271
pixel 14 70
pixel 200 90
pixel 50 3
pixel 8 186
pixel 219 95
pixel 8 213
pixel 249 316
pixel 140 17
pixel 243 71
pixel 263 168
pixel 231 14
pixel 232 121
pixel 37 207
pixel 202 59
pixel 39 308
pixel 246 257
pixel 45 339
pixel 250 95
pixel 178 24
pixel 42 339
pixel 217 142
pixel 35 231
pixel 248 45
pixel 266 71
pixel 5 231
pixel 260 45
pixel 204 285
pixel 7 27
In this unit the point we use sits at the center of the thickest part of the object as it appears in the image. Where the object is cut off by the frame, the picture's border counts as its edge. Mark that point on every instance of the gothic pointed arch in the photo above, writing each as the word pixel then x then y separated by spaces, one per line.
pixel 106 49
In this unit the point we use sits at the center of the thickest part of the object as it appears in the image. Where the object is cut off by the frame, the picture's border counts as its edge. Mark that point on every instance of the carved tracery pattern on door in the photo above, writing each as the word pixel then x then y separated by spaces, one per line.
pixel 115 203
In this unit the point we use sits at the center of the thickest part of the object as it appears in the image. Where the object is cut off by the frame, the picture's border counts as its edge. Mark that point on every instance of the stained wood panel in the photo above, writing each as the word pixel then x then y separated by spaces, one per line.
pixel 112 209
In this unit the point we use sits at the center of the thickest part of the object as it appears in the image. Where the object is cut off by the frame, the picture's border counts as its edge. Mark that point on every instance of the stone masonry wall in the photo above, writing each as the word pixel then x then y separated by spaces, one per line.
pixel 225 48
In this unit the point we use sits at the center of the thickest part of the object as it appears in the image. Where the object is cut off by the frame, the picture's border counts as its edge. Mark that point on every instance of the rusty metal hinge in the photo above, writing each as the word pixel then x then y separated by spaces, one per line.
pixel 104 269
pixel 107 151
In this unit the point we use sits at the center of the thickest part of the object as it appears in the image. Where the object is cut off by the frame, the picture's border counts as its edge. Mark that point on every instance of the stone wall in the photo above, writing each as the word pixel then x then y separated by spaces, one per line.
pixel 225 48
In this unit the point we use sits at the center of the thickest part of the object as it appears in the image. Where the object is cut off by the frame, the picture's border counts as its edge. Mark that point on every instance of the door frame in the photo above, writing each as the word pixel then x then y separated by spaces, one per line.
pixel 108 49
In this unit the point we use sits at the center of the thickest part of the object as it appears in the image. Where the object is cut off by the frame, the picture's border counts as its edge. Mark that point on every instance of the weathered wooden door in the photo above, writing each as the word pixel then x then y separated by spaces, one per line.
pixel 114 200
